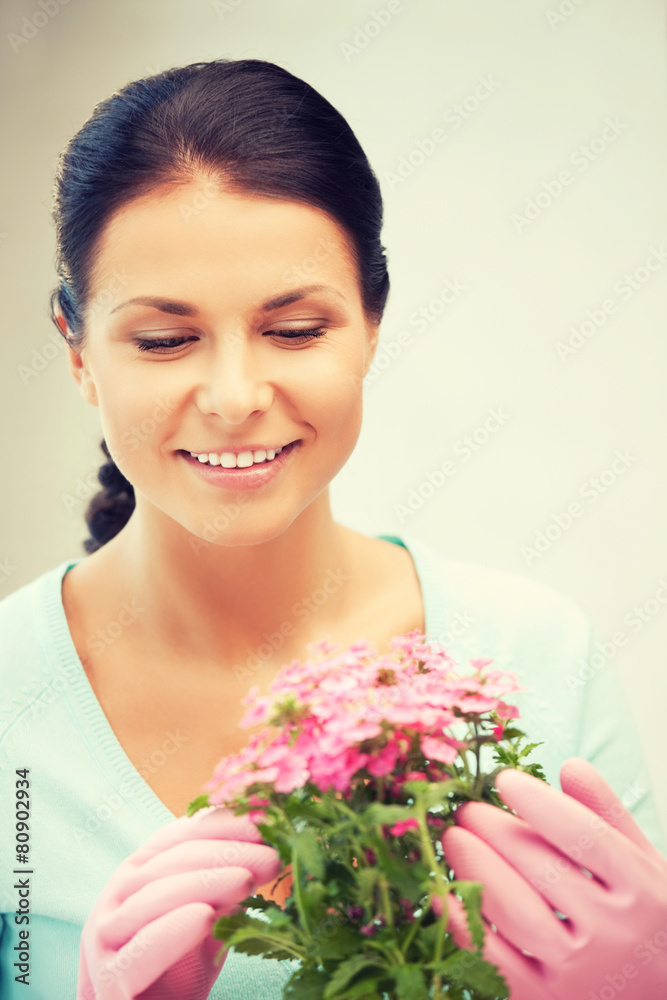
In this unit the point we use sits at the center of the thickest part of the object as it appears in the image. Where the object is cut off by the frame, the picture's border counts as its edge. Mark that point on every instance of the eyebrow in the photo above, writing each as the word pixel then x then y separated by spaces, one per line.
pixel 185 309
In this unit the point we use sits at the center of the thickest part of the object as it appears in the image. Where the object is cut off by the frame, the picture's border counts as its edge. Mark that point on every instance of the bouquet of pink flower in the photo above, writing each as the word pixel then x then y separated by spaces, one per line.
pixel 363 761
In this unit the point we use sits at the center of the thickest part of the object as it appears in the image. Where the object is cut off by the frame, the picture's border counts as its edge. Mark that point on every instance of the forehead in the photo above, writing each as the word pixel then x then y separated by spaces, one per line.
pixel 199 233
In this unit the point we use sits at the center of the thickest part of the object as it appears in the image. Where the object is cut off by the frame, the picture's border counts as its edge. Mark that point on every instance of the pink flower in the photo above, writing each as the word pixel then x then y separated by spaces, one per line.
pixel 403 825
pixel 294 773
pixel 258 710
pixel 504 711
pixel 257 815
pixel 477 703
pixel 290 779
pixel 337 772
pixel 275 753
pixel 384 761
pixel 350 713
pixel 435 748
pixel 263 774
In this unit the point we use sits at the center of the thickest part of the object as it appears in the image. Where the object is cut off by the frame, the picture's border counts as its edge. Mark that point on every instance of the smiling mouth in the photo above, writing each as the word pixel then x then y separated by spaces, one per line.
pixel 230 461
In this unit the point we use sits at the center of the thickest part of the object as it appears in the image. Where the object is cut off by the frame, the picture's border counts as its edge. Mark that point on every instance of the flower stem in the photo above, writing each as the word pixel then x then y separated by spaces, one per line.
pixel 298 899
pixel 396 953
pixel 386 903
pixel 413 930
pixel 478 768
pixel 441 881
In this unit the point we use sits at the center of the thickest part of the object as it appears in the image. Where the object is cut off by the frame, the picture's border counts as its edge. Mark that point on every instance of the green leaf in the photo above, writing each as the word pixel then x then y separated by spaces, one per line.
pixel 428 935
pixel 318 813
pixel 535 770
pixel 434 793
pixel 275 915
pixel 512 733
pixel 411 881
pixel 335 940
pixel 247 941
pixel 313 899
pixel 259 902
pixel 471 894
pixel 505 756
pixel 467 968
pixel 377 814
pixel 342 976
pixel 410 982
pixel 199 803
pixel 278 918
pixel 367 880
pixel 224 927
pixel 255 937
pixel 336 872
pixel 306 984
pixel 512 757
pixel 308 850
pixel 365 989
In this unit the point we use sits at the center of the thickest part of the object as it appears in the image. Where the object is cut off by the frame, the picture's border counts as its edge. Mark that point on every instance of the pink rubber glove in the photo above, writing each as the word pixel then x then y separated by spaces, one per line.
pixel 148 934
pixel 614 942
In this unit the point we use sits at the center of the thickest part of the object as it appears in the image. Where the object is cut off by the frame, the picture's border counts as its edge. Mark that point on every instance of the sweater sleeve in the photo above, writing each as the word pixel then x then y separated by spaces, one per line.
pixel 608 737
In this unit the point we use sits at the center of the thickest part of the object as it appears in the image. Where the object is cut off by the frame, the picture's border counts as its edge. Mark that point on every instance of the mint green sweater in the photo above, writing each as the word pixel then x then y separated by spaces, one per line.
pixel 90 807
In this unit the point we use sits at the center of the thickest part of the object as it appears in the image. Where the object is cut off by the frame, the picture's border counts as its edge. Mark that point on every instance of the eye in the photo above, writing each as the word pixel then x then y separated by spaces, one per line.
pixel 297 335
pixel 167 345
pixel 161 345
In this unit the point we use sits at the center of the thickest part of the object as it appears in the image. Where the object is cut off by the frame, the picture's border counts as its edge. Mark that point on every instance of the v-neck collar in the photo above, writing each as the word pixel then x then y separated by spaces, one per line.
pixel 92 721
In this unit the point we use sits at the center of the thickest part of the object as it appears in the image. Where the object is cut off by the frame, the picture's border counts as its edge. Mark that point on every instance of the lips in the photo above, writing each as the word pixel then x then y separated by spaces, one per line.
pixel 247 477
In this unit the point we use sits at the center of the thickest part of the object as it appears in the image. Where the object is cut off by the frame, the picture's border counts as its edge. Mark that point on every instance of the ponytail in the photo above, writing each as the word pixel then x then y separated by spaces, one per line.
pixel 110 509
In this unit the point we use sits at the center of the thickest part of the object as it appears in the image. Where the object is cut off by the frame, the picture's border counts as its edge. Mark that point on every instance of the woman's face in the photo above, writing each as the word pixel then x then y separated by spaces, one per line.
pixel 207 365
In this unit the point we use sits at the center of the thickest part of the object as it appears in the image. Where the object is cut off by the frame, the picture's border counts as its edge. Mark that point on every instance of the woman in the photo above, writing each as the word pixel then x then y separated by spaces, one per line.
pixel 222 283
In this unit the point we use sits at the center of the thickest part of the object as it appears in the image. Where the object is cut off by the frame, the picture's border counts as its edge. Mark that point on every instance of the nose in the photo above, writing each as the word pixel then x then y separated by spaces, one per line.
pixel 233 384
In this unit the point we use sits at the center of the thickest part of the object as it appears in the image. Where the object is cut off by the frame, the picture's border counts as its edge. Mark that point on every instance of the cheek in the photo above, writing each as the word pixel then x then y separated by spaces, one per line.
pixel 129 443
pixel 134 425
pixel 336 404
pixel 337 420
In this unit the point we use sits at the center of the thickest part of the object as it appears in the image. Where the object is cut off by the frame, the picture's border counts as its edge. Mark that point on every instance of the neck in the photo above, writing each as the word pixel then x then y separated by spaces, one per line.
pixel 210 602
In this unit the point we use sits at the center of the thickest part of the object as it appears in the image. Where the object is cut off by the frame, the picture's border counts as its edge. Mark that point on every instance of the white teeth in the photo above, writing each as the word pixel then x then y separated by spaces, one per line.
pixel 229 460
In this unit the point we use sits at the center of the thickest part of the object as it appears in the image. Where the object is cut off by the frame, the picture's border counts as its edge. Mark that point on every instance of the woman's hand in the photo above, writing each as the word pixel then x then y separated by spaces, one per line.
pixel 614 940
pixel 148 935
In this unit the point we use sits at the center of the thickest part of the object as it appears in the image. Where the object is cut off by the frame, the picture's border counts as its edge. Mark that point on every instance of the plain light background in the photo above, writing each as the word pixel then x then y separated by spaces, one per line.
pixel 522 91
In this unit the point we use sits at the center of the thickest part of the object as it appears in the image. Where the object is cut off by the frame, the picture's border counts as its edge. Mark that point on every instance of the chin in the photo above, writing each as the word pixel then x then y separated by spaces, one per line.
pixel 234 526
